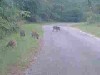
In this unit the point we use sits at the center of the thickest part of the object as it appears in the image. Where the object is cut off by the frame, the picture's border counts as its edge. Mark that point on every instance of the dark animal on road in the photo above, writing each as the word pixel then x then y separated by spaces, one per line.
pixel 35 34
pixel 22 33
pixel 56 28
pixel 12 43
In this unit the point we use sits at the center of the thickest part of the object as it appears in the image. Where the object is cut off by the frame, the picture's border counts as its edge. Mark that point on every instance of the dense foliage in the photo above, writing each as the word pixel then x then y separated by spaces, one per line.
pixel 8 17
pixel 58 10
pixel 13 11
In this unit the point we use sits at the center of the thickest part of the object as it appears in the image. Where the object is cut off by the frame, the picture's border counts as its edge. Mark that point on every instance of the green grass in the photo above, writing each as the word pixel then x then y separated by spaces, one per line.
pixel 9 56
pixel 90 28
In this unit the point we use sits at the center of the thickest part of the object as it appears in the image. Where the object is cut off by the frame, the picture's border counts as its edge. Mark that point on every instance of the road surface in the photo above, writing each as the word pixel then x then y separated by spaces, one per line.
pixel 67 52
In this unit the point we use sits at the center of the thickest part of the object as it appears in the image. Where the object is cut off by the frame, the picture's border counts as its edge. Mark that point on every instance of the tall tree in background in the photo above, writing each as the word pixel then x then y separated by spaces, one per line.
pixel 90 5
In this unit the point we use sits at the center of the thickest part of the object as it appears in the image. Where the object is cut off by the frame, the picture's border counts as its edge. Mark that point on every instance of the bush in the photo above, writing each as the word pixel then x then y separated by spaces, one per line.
pixel 74 15
pixel 93 18
pixel 7 28
pixel 4 27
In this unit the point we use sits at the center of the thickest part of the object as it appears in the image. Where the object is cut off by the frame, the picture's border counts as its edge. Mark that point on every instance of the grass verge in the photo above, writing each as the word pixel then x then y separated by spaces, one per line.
pixel 90 28
pixel 25 46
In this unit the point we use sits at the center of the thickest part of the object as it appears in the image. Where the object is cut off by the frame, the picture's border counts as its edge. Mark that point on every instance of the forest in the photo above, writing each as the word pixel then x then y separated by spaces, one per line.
pixel 14 11
pixel 20 20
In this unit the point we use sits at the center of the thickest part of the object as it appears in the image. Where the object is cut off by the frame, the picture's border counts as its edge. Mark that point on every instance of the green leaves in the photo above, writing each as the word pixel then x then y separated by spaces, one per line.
pixel 25 14
pixel 9 15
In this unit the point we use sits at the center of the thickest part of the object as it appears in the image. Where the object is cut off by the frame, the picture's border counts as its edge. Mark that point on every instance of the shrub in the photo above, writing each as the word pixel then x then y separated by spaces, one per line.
pixel 7 27
pixel 4 27
pixel 93 18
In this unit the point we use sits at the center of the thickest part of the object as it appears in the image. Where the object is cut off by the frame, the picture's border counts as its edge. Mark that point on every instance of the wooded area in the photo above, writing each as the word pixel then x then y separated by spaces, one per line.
pixel 22 25
pixel 13 11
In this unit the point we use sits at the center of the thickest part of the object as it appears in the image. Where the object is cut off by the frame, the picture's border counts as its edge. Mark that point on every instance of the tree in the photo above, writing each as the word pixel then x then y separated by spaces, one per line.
pixel 8 17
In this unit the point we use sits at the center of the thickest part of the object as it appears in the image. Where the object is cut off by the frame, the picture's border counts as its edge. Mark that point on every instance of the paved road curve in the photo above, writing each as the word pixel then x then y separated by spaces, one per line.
pixel 67 52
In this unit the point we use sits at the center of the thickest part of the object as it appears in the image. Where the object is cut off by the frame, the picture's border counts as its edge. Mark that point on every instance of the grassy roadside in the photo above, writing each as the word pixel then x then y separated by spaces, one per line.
pixel 19 54
pixel 92 29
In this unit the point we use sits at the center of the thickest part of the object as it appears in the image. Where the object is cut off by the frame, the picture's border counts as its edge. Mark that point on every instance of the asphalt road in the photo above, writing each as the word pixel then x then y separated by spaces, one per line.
pixel 67 52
